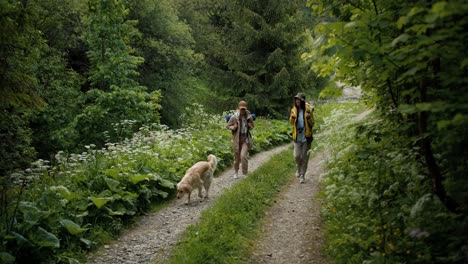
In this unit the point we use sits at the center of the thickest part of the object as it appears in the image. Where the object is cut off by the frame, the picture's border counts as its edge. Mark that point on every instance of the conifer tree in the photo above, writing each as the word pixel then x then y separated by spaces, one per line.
pixel 263 43
pixel 170 62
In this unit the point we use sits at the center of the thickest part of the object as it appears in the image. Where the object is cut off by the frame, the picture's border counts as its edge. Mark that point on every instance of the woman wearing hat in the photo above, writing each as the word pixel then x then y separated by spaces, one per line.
pixel 302 119
pixel 240 123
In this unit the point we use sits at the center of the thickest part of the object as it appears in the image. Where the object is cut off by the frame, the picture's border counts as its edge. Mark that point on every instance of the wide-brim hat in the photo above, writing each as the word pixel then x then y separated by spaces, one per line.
pixel 242 105
pixel 301 96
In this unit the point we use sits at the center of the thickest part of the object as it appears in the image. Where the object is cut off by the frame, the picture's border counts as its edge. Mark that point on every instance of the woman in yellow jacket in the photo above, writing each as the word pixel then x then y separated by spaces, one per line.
pixel 302 119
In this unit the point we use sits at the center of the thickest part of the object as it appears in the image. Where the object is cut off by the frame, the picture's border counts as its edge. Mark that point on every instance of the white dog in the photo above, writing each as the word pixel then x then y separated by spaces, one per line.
pixel 200 174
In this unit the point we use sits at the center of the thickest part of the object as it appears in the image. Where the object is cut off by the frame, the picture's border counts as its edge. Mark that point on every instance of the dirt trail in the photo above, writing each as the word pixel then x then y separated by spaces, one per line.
pixel 151 240
pixel 293 231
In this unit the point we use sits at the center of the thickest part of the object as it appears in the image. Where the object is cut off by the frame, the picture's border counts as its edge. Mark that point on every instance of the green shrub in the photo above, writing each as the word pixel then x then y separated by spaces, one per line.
pixel 379 207
pixel 64 210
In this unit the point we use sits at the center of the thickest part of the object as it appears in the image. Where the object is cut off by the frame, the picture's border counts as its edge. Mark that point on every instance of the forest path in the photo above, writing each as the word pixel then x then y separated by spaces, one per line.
pixel 292 228
pixel 152 238
pixel 292 231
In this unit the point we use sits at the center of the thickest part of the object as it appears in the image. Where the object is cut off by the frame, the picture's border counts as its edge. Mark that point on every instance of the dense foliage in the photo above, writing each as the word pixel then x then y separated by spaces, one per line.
pixel 60 211
pixel 379 207
pixel 76 73
pixel 407 171
pixel 253 50
pixel 92 73
pixel 88 73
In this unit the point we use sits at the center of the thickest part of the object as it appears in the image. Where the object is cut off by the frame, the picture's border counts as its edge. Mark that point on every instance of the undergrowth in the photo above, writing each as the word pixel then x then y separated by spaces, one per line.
pixel 57 211
pixel 379 207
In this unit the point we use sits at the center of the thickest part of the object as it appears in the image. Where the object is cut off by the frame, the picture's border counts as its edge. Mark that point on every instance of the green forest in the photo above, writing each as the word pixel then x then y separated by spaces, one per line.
pixel 98 97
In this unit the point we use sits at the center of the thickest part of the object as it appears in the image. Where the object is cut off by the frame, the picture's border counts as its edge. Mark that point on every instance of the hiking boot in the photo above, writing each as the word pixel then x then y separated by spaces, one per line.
pixel 236 175
pixel 302 180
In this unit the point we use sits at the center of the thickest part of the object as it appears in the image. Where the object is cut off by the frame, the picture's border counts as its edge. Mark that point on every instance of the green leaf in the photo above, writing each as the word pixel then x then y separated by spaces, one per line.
pixel 114 173
pixel 407 109
pixel 72 260
pixel 72 227
pixel 43 238
pixel 401 38
pixel 87 242
pixel 138 178
pixel 439 8
pixel 112 184
pixel 20 239
pixel 161 193
pixel 31 213
pixel 416 10
pixel 99 201
pixel 402 21
pixel 6 258
pixel 350 24
pixel 423 107
pixel 431 18
pixel 458 120
pixel 117 209
pixel 63 191
pixel 166 183
pixel 464 63
pixel 420 204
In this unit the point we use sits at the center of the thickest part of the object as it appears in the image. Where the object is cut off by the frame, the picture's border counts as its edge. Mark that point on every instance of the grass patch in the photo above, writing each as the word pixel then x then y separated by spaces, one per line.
pixel 227 231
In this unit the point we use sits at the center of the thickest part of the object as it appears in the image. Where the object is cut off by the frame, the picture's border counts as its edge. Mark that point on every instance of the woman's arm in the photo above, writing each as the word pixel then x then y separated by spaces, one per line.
pixel 232 123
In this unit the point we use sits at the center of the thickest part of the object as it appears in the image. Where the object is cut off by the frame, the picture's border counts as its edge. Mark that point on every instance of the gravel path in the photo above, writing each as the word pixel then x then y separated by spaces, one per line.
pixel 151 240
pixel 292 232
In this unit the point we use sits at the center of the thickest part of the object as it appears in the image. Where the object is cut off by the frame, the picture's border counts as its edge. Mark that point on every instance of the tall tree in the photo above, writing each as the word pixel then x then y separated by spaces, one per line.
pixel 20 51
pixel 171 64
pixel 262 62
pixel 208 20
pixel 110 54
pixel 60 22
pixel 117 105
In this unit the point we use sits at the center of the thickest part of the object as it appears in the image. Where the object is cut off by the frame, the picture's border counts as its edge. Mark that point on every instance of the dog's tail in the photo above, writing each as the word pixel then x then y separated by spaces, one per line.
pixel 213 161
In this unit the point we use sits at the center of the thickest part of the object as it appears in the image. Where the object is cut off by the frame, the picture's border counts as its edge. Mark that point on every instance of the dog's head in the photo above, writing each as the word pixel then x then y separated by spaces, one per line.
pixel 183 189
pixel 213 161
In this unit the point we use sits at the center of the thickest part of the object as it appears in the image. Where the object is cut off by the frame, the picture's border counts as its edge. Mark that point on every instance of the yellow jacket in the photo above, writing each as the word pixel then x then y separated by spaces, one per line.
pixel 308 120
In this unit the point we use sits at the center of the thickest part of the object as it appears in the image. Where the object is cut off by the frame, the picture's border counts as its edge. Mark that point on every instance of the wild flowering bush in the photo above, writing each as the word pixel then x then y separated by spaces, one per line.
pixel 57 212
pixel 378 203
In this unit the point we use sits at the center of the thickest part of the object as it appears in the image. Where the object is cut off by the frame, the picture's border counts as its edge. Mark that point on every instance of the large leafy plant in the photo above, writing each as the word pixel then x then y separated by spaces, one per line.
pixel 66 208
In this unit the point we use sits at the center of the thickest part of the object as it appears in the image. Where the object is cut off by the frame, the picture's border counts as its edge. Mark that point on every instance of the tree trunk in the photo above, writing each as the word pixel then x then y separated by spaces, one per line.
pixel 426 149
